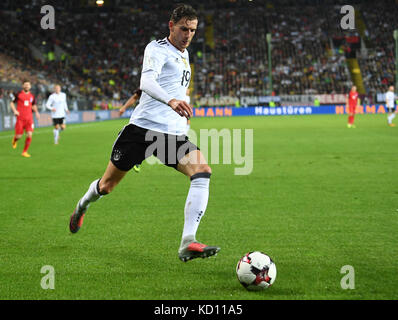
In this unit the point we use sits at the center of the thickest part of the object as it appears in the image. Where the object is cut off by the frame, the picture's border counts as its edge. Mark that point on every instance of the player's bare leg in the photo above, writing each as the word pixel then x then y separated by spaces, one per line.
pixel 15 140
pixel 110 179
pixel 351 120
pixel 28 140
pixel 196 168
pixel 96 190
pixel 62 127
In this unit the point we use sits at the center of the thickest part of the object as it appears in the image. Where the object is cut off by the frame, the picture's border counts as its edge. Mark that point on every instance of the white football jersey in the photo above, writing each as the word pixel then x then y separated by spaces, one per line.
pixel 173 75
pixel 57 101
pixel 390 96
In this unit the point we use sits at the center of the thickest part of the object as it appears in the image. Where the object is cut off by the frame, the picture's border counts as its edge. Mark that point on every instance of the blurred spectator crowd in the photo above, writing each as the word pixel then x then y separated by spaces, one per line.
pixel 97 53
pixel 378 67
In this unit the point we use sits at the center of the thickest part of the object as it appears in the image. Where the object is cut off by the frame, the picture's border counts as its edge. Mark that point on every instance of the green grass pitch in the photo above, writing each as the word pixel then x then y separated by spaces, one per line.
pixel 320 196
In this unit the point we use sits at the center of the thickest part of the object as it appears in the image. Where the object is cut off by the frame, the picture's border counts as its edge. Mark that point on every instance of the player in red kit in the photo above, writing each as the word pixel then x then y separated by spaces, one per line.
pixel 26 104
pixel 352 102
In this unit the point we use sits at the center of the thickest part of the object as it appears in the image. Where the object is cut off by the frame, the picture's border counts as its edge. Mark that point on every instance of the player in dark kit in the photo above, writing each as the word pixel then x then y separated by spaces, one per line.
pixel 26 103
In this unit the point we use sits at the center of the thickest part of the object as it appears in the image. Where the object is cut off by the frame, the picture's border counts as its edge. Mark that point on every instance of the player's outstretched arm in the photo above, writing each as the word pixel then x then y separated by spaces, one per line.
pixel 128 103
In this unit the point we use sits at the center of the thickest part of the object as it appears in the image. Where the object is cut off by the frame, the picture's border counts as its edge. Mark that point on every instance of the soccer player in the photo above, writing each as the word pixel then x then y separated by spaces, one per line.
pixel 162 115
pixel 390 97
pixel 352 102
pixel 131 101
pixel 26 105
pixel 57 104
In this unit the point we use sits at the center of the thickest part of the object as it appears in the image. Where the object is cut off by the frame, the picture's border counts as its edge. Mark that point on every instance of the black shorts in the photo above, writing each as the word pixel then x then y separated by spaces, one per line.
pixel 134 144
pixel 391 110
pixel 58 121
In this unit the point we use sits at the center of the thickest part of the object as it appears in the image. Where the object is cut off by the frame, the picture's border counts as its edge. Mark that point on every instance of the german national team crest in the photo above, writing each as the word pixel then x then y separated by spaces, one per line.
pixel 117 155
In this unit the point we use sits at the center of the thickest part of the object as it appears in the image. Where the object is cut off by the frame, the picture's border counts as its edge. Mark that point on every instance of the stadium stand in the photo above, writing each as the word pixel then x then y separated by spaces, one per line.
pixel 378 65
pixel 96 53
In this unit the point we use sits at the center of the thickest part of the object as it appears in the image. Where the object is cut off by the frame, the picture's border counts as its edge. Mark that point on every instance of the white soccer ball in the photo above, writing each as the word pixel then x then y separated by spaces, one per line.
pixel 256 271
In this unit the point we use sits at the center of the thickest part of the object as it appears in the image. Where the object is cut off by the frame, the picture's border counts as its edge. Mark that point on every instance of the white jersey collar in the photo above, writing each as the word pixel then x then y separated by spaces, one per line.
pixel 174 48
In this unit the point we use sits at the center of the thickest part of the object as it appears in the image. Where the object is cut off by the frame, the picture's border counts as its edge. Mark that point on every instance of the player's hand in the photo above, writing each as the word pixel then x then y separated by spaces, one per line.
pixel 181 107
pixel 121 111
pixel 67 111
pixel 16 113
pixel 37 115
pixel 53 109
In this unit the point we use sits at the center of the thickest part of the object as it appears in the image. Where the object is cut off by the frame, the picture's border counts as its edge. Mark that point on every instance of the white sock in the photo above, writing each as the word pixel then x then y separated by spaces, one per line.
pixel 56 134
pixel 91 195
pixel 195 205
pixel 391 117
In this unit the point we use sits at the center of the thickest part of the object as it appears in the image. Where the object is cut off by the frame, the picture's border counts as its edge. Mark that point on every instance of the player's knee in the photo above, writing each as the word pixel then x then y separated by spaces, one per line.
pixel 206 168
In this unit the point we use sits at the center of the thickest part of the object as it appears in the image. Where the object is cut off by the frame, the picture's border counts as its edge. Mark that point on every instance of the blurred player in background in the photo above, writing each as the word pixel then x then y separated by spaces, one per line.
pixel 130 102
pixel 26 105
pixel 162 113
pixel 57 104
pixel 390 104
pixel 352 102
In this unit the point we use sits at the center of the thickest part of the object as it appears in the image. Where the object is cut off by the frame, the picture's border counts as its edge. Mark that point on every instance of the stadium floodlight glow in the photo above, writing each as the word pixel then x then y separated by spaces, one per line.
pixel 99 3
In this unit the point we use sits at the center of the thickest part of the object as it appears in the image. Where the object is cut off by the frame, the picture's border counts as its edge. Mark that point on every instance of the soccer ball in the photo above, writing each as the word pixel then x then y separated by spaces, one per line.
pixel 256 271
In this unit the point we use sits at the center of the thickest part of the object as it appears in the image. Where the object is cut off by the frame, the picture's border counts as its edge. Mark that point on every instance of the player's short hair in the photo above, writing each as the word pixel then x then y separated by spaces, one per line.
pixel 183 11
pixel 25 80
